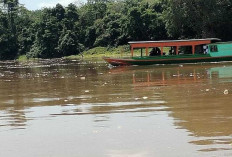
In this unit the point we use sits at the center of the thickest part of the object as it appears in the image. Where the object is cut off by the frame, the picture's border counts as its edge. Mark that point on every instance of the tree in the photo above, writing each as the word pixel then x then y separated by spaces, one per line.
pixel 90 37
pixel 108 30
pixel 68 44
pixel 9 36
pixel 199 19
pixel 11 7
pixel 25 35
pixel 71 16
pixel 179 24
pixel 47 36
pixel 59 12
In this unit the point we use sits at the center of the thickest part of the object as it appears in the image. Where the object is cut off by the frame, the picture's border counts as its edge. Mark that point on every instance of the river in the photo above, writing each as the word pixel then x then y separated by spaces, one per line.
pixel 84 108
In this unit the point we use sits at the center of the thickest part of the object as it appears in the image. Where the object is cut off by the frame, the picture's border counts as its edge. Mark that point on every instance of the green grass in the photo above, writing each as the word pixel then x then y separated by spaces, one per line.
pixel 98 52
pixel 120 51
pixel 23 58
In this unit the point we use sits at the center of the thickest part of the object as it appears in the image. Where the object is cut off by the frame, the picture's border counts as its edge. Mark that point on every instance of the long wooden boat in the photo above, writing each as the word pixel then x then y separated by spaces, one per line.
pixel 180 51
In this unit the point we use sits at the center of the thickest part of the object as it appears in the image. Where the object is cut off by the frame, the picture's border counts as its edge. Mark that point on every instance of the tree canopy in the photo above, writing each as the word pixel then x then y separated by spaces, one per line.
pixel 62 31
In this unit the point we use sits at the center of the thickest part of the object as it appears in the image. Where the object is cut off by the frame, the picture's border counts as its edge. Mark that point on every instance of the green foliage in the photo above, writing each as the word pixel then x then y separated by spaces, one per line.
pixel 107 30
pixel 8 36
pixel 25 37
pixel 62 31
pixel 123 50
pixel 68 44
pixel 199 19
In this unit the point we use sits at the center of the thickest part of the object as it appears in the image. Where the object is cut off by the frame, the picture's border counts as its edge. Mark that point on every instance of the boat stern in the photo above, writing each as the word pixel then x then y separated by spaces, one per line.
pixel 116 62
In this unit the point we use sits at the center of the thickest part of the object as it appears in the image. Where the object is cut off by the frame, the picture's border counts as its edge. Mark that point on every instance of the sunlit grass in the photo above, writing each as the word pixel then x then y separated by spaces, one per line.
pixel 24 58
pixel 99 52
pixel 117 52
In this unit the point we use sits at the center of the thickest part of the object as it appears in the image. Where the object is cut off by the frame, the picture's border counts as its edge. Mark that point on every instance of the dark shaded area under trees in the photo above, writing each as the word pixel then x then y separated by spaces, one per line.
pixel 62 31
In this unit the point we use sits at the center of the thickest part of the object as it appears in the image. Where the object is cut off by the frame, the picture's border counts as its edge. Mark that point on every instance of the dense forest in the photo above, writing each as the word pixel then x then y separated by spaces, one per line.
pixel 63 31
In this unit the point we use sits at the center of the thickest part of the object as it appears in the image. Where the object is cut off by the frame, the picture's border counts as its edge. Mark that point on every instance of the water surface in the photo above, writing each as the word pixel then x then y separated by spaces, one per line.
pixel 81 108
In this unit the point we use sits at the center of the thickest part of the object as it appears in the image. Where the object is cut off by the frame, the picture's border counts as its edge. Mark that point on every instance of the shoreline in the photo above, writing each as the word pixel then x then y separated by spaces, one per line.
pixel 97 52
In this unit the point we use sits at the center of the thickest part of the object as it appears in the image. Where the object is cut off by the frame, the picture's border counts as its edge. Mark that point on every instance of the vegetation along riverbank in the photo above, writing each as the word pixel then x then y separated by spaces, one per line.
pixel 102 26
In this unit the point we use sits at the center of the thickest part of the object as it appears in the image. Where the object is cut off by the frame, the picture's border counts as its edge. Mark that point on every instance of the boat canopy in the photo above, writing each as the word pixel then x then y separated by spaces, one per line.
pixel 171 43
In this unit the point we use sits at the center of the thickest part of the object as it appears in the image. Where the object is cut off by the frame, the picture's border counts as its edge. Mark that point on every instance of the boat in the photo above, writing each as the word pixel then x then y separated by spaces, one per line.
pixel 179 51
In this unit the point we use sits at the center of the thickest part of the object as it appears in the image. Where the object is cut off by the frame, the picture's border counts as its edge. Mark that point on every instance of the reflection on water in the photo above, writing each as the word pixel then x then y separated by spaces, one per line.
pixel 120 111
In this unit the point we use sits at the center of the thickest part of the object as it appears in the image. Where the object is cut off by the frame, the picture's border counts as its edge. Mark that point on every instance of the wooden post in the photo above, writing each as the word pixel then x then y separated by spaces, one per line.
pixel 177 49
pixel 146 51
pixel 193 49
pixel 132 51
pixel 162 51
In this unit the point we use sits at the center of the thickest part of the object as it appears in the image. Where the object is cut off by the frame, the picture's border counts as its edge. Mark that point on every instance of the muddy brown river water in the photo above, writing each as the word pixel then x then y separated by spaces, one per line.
pixel 79 108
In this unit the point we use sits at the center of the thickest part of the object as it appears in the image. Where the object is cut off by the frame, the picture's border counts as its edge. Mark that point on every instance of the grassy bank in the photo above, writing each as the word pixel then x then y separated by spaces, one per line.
pixel 99 52
pixel 23 58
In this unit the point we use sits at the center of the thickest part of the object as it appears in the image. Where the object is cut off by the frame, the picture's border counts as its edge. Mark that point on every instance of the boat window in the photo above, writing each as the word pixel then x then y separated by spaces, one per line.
pixel 213 48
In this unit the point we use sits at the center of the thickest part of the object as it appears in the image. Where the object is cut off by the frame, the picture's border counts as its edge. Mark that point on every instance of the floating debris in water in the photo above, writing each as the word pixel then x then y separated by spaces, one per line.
pixel 226 91
pixel 105 84
pixel 207 90
pixel 145 97
pixel 82 78
pixel 137 98
pixel 87 91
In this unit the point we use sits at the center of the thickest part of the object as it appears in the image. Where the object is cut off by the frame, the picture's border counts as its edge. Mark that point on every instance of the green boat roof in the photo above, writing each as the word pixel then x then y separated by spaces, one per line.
pixel 228 42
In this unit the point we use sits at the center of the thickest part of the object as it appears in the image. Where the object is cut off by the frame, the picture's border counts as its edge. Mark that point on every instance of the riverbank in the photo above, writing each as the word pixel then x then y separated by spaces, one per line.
pixel 97 52
pixel 120 51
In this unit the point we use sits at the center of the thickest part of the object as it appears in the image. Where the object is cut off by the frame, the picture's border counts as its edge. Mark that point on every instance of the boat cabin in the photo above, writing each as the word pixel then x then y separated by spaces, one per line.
pixel 220 49
pixel 175 47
